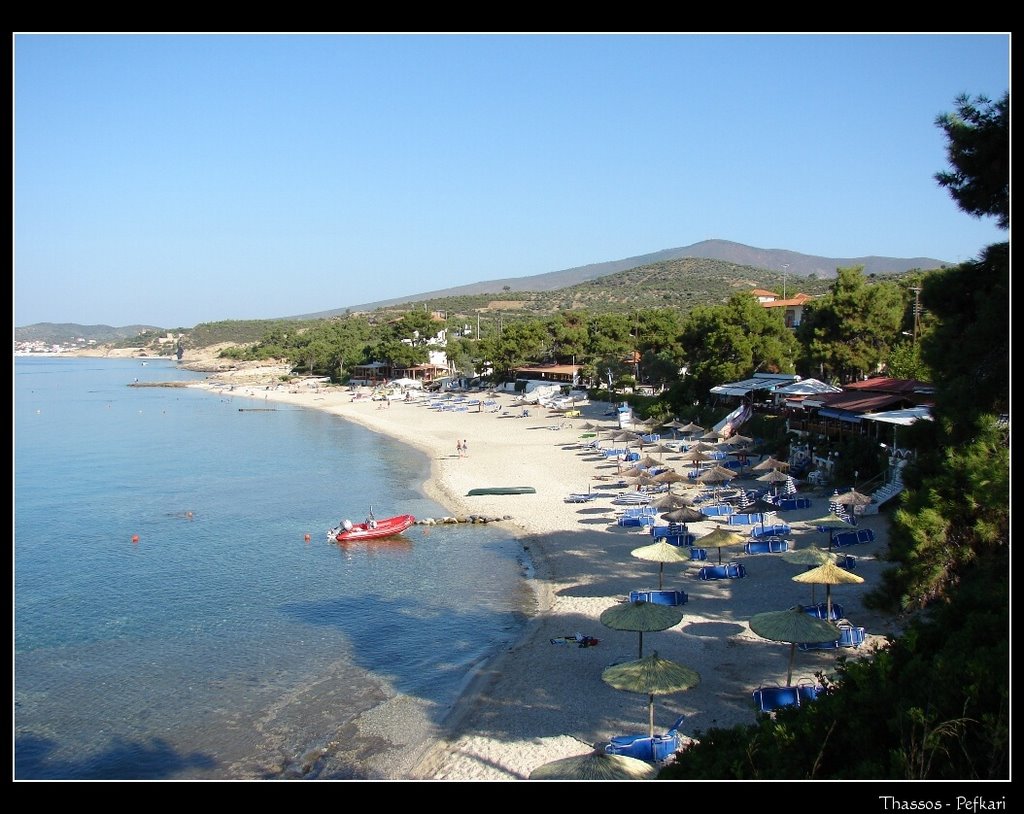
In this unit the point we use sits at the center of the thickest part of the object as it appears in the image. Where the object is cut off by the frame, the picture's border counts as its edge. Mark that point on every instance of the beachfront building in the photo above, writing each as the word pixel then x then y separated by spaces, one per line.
pixel 549 374
pixel 758 390
pixel 793 307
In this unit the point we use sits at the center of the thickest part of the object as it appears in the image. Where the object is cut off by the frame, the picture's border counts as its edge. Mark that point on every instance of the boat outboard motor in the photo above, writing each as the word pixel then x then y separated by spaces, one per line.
pixel 347 524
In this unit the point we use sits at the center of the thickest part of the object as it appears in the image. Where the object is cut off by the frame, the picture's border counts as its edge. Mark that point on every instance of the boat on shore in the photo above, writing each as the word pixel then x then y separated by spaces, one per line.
pixel 502 490
pixel 371 528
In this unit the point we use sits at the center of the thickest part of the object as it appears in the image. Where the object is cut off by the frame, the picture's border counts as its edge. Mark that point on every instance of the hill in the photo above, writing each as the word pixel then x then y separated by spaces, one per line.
pixel 772 264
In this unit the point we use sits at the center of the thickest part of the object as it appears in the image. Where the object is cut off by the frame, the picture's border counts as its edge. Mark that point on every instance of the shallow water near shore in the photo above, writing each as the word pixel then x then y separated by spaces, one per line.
pixel 172 621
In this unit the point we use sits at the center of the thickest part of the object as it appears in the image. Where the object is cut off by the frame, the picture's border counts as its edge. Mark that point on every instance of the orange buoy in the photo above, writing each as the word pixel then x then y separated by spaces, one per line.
pixel 135 538
pixel 307 538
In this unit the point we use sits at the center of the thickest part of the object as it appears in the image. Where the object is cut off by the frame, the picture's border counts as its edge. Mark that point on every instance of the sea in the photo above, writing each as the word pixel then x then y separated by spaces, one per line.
pixel 179 613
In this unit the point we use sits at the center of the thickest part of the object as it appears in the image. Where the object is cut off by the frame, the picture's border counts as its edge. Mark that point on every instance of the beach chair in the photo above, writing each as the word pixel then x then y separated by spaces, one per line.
pixel 730 570
pixel 659 597
pixel 849 636
pixel 769 545
pixel 771 530
pixel 848 562
pixel 697 554
pixel 865 536
pixel 808 691
pixel 820 611
pixel 644 747
pixel 769 699
pixel 844 538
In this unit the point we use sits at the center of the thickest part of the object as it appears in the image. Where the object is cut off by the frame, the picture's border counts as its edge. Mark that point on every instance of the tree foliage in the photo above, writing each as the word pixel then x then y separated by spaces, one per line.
pixel 847 333
pixel 978 148
pixel 932 705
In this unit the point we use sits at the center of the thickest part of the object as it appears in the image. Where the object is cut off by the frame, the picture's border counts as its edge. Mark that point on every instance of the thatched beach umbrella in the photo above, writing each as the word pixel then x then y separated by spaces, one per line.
pixel 770 463
pixel 595 766
pixel 669 476
pixel 684 515
pixel 716 474
pixel 809 556
pixel 719 538
pixel 830 523
pixel 851 497
pixel 651 676
pixel 690 429
pixel 828 574
pixel 661 553
pixel 773 476
pixel 738 440
pixel 793 627
pixel 642 617
pixel 670 500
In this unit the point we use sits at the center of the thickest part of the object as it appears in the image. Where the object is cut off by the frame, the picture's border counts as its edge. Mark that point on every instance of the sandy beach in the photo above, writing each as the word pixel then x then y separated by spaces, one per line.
pixel 537 701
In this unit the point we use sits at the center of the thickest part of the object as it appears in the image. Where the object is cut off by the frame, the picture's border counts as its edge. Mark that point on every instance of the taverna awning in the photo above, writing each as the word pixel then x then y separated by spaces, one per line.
pixel 767 381
pixel 903 418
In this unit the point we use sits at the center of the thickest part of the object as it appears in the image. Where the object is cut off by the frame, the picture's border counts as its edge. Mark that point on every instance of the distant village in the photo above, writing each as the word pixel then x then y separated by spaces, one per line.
pixel 80 344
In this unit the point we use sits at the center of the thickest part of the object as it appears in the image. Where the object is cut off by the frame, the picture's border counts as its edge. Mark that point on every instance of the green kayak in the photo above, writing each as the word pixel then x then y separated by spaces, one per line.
pixel 503 490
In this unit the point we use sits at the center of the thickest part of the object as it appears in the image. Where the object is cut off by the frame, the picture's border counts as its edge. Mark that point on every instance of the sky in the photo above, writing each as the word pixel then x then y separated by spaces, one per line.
pixel 174 179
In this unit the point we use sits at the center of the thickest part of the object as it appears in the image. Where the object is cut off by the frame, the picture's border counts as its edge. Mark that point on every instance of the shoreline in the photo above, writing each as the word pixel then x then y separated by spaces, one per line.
pixel 533 702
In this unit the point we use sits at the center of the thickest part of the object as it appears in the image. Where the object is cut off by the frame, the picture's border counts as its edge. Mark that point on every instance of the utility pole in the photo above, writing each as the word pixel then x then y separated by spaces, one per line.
pixel 917 312
pixel 785 270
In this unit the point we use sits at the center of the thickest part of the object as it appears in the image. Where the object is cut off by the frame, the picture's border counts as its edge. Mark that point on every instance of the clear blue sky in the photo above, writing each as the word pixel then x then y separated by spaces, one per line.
pixel 177 179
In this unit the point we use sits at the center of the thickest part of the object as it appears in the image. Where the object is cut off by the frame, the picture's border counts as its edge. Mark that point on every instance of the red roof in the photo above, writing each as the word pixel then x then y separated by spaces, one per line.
pixel 883 384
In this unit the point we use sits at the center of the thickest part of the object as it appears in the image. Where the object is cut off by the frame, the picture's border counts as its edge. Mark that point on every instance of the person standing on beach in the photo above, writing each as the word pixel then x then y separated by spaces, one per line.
pixel 465 448
pixel 458 448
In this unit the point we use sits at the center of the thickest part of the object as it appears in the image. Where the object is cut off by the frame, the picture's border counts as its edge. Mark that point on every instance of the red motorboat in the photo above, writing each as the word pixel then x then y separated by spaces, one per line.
pixel 372 529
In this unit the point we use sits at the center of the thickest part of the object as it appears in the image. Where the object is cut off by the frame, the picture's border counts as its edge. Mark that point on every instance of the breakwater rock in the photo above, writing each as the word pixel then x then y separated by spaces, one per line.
pixel 468 518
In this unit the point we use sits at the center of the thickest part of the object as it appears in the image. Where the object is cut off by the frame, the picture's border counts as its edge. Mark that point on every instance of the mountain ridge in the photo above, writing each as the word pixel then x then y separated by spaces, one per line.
pixel 798 265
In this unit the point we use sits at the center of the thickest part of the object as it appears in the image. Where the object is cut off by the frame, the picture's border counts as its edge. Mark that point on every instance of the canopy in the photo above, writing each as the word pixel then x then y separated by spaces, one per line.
pixel 743 388
pixel 902 417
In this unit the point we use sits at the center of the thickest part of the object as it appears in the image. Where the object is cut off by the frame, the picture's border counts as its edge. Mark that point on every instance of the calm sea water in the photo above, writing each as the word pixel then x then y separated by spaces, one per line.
pixel 221 643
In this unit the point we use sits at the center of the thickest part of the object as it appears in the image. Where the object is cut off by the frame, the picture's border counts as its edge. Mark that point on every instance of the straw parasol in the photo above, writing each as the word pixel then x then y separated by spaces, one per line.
pixel 809 556
pixel 642 617
pixel 738 440
pixel 669 476
pixel 651 676
pixel 828 574
pixel 661 553
pixel 720 538
pixel 793 627
pixel 670 500
pixel 851 497
pixel 690 429
pixel 684 515
pixel 830 522
pixel 595 766
pixel 772 476
pixel 770 463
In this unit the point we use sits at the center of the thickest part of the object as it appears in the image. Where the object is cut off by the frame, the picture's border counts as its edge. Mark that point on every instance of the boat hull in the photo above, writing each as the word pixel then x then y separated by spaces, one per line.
pixel 503 490
pixel 388 527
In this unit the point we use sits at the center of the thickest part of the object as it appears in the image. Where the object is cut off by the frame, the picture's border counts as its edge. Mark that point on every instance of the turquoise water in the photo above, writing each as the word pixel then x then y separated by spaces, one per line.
pixel 222 643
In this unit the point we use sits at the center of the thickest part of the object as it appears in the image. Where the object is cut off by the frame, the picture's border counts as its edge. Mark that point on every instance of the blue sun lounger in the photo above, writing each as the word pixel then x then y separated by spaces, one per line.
pixel 820 611
pixel 674 534
pixel 769 699
pixel 698 553
pixel 644 747
pixel 771 530
pixel 659 597
pixel 771 545
pixel 849 636
pixel 732 570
